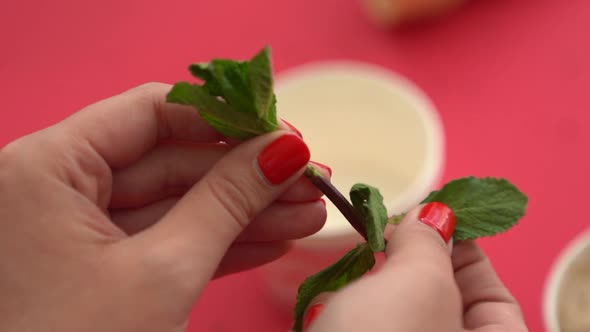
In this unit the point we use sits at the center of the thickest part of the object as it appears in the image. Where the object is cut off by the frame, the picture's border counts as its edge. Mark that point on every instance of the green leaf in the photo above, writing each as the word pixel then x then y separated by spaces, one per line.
pixel 352 266
pixel 260 77
pixel 203 71
pixel 396 219
pixel 233 81
pixel 218 114
pixel 482 207
pixel 270 118
pixel 182 93
pixel 368 201
pixel 236 97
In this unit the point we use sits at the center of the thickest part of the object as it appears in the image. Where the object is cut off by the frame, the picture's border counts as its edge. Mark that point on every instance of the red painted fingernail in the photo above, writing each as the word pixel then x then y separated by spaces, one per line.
pixel 295 130
pixel 327 168
pixel 282 158
pixel 440 217
pixel 312 314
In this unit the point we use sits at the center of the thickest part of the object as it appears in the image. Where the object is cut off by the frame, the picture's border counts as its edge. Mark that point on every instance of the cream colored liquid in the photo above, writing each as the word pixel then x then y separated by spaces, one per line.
pixel 574 296
pixel 368 129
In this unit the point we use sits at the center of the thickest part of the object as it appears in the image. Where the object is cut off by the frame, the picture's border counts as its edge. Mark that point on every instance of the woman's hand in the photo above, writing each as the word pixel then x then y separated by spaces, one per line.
pixel 116 218
pixel 422 287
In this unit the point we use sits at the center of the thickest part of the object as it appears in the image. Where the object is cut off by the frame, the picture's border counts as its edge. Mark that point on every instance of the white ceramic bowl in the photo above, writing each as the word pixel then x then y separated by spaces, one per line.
pixel 370 125
pixel 580 245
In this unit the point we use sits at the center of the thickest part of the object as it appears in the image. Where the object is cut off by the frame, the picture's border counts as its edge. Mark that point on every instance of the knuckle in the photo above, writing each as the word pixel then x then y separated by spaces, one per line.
pixel 235 195
pixel 85 170
pixel 150 87
pixel 8 152
pixel 11 158
pixel 152 95
pixel 147 93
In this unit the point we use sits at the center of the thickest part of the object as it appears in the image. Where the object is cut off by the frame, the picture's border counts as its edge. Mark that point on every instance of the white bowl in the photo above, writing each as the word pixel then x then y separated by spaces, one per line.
pixel 580 245
pixel 370 125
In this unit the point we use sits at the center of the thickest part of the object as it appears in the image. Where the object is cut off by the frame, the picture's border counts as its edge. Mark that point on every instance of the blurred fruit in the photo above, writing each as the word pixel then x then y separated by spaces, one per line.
pixel 397 12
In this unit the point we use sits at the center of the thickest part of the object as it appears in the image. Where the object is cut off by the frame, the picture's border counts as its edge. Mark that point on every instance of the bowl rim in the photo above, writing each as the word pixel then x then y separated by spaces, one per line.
pixel 568 254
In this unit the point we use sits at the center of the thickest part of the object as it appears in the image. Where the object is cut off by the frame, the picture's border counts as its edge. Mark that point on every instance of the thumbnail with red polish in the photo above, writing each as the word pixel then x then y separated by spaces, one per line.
pixel 312 314
pixel 282 158
pixel 440 217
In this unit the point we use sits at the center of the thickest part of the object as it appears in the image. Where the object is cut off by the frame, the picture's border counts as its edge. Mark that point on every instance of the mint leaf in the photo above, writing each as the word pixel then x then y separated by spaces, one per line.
pixel 368 201
pixel 482 207
pixel 260 77
pixel 352 266
pixel 233 81
pixel 236 97
pixel 218 114
pixel 203 71
pixel 183 93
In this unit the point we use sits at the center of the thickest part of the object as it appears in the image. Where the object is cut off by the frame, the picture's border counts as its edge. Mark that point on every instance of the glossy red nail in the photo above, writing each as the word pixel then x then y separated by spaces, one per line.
pixel 295 130
pixel 440 217
pixel 327 168
pixel 312 314
pixel 282 158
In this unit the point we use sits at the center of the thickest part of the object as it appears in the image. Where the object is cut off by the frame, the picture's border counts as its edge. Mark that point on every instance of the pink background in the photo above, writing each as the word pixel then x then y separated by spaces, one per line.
pixel 510 79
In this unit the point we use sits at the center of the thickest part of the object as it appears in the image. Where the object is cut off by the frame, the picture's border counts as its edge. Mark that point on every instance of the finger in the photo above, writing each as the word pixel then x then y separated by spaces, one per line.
pixel 425 230
pixel 416 277
pixel 172 168
pixel 244 256
pixel 169 169
pixel 488 305
pixel 283 125
pixel 286 221
pixel 304 190
pixel 122 128
pixel 315 307
pixel 207 220
pixel 133 221
pixel 279 222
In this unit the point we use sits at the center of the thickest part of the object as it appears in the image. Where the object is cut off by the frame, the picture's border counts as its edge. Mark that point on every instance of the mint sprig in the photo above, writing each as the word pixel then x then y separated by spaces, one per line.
pixel 368 201
pixel 349 268
pixel 237 99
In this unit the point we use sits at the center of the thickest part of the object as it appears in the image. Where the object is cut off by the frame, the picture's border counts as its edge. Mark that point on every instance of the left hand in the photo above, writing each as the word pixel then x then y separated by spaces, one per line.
pixel 108 222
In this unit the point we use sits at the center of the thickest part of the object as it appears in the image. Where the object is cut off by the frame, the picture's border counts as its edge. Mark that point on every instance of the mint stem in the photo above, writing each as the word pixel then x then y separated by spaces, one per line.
pixel 337 198
pixel 396 219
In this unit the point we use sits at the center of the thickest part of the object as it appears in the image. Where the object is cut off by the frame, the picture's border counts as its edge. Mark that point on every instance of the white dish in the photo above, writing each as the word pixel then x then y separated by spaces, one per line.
pixel 370 125
pixel 580 245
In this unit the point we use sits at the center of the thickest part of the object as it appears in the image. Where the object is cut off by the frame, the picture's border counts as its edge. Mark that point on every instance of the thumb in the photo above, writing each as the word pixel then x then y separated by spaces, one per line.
pixel 426 230
pixel 415 279
pixel 199 229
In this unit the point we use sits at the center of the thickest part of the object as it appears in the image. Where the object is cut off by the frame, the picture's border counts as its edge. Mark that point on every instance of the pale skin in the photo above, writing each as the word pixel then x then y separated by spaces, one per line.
pixel 116 218
pixel 423 287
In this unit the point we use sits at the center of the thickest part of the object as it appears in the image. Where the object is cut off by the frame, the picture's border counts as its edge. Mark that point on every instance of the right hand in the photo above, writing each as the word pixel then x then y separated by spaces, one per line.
pixel 422 287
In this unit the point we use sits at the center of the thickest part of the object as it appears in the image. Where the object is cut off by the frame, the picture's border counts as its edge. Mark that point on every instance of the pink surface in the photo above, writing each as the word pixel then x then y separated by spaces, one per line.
pixel 510 79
